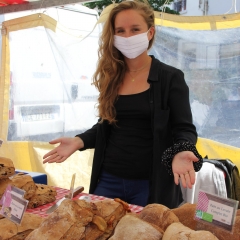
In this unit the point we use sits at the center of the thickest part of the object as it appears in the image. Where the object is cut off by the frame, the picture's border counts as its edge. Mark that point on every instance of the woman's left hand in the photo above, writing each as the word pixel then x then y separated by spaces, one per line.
pixel 182 167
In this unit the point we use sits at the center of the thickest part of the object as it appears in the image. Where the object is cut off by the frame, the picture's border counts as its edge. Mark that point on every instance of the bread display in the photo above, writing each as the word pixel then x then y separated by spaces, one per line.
pixel 78 219
pixel 112 219
pixel 100 220
pixel 24 182
pixel 7 168
pixel 134 228
pixel 68 221
pixel 36 194
pixel 10 230
pixel 44 194
pixel 177 231
pixel 159 215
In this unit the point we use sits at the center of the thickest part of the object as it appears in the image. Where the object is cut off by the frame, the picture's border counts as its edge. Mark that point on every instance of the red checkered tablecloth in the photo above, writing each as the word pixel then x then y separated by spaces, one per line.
pixel 61 192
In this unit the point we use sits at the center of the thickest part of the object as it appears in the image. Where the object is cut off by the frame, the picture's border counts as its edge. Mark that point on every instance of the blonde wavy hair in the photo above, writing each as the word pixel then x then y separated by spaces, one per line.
pixel 111 66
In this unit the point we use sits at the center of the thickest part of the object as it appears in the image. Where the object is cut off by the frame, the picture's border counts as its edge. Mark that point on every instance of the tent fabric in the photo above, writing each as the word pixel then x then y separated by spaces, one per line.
pixel 47 89
pixel 215 22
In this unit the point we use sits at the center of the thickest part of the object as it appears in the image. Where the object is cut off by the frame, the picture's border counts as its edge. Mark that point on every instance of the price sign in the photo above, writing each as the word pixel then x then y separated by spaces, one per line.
pixel 212 209
pixel 13 204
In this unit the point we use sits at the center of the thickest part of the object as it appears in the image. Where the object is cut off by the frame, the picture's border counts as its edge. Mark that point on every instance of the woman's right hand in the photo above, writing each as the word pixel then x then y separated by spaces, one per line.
pixel 67 146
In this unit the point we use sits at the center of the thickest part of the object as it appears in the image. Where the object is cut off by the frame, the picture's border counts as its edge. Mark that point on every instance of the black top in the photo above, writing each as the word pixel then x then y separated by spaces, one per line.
pixel 171 122
pixel 129 148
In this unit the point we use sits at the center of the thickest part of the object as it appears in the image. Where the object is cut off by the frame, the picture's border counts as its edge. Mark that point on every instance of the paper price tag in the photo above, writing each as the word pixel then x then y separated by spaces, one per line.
pixel 13 204
pixel 212 209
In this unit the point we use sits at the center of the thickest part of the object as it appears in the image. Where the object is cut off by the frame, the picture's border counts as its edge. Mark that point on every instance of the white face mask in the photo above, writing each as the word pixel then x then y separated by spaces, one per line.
pixel 132 47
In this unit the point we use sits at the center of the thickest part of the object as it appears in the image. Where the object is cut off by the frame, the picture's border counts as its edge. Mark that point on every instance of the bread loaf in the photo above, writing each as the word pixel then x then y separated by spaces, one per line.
pixel 68 221
pixel 44 194
pixel 7 168
pixel 186 215
pixel 159 215
pixel 111 211
pixel 24 182
pixel 13 231
pixel 131 227
pixel 177 231
pixel 3 185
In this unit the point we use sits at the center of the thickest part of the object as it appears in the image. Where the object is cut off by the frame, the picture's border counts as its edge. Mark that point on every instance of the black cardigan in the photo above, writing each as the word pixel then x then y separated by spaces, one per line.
pixel 171 123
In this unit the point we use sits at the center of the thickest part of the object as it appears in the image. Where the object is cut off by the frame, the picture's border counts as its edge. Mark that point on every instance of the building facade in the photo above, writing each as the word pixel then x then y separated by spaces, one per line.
pixel 205 7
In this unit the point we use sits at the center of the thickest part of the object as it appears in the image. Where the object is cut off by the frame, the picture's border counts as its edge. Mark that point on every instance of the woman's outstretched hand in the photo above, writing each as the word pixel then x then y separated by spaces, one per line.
pixel 67 146
pixel 182 167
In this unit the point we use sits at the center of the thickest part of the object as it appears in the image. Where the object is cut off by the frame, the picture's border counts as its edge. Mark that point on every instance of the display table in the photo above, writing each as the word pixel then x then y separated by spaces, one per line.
pixel 41 211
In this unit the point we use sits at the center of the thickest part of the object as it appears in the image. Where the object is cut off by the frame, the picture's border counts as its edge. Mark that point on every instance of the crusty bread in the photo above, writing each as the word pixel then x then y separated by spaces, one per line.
pixel 177 231
pixel 159 215
pixel 112 211
pixel 3 185
pixel 24 182
pixel 134 228
pixel 7 168
pixel 186 215
pixel 68 221
pixel 78 219
pixel 11 230
pixel 44 194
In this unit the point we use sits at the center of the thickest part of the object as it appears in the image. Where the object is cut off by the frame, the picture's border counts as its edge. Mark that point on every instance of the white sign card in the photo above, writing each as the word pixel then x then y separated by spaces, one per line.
pixel 212 209
pixel 13 204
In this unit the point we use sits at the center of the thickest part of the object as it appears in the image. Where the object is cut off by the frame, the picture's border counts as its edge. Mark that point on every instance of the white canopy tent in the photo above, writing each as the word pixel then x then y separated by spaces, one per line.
pixel 46 91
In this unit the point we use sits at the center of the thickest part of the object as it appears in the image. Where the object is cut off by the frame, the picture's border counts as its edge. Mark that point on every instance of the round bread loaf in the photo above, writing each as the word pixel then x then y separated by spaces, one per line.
pixel 177 231
pixel 132 227
pixel 159 215
pixel 186 215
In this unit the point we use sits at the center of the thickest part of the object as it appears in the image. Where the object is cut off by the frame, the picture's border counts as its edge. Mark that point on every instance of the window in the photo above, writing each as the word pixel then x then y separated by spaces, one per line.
pixel 180 6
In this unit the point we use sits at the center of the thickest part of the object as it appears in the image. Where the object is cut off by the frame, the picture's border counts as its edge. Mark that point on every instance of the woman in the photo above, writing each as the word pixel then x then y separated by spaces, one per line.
pixel 145 139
